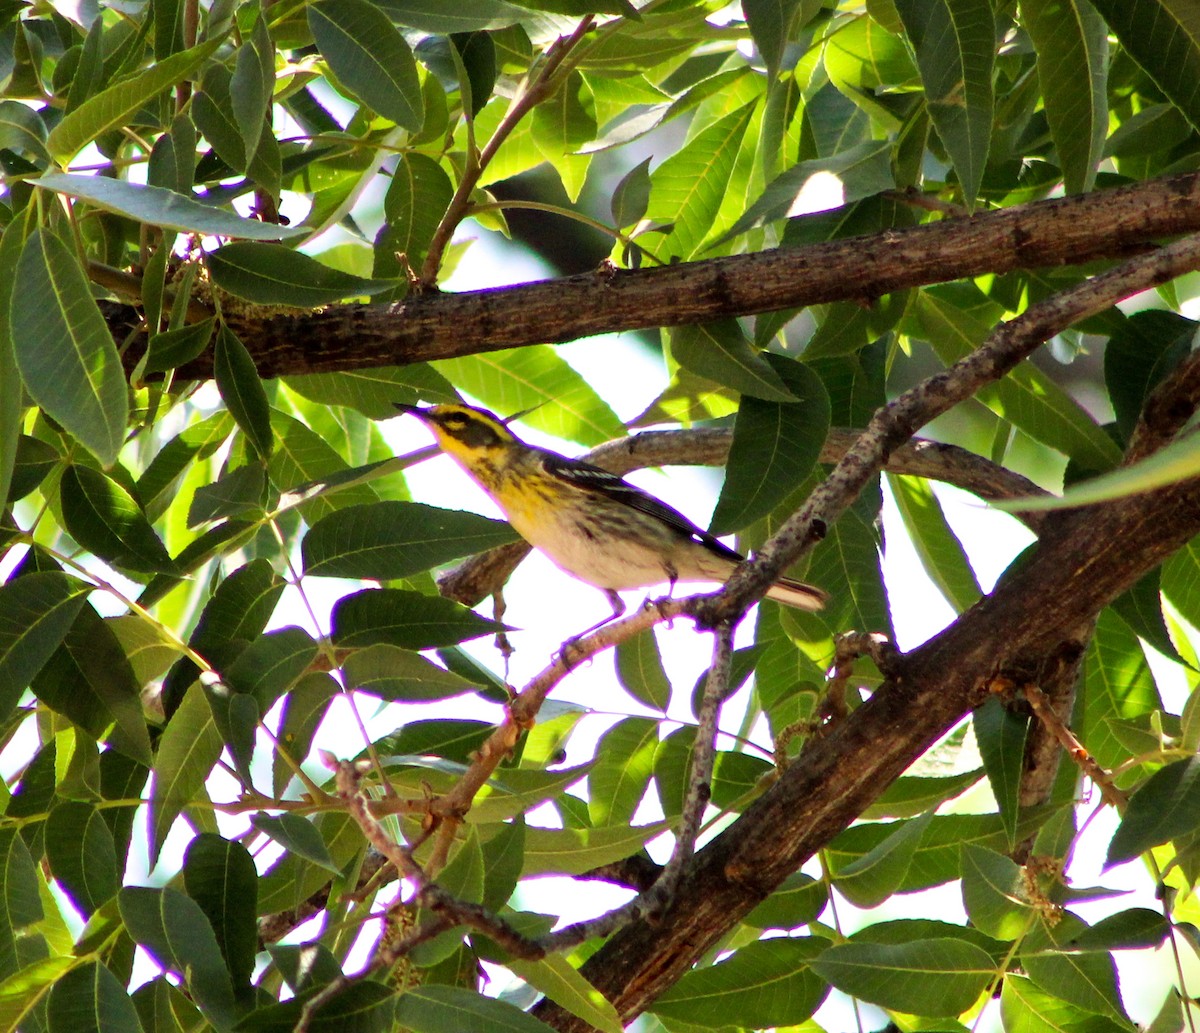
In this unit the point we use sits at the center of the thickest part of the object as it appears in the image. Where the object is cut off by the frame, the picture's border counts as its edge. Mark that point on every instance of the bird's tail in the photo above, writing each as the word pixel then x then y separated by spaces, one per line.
pixel 797 594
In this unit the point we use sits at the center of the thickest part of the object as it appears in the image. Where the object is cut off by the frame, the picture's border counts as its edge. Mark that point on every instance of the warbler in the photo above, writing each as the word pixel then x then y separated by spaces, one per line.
pixel 591 523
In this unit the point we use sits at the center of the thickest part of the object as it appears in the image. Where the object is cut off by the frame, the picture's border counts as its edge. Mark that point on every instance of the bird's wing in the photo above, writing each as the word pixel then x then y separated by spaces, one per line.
pixel 592 478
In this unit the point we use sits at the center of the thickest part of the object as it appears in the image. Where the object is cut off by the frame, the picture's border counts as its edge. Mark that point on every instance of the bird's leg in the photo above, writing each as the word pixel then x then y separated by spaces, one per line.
pixel 618 608
pixel 672 577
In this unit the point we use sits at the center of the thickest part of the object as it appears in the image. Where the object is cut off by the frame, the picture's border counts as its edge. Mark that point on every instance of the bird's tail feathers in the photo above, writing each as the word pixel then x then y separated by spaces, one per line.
pixel 797 594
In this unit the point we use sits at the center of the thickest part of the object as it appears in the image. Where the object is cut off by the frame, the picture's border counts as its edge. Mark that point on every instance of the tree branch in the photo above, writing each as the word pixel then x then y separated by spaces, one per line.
pixel 1063 231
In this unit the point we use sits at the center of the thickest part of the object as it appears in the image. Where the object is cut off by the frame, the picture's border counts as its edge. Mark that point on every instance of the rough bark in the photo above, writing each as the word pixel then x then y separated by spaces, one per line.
pixel 1064 231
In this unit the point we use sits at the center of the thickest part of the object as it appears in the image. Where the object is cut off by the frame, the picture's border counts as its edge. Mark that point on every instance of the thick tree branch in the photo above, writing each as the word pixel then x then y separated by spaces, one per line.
pixel 1064 231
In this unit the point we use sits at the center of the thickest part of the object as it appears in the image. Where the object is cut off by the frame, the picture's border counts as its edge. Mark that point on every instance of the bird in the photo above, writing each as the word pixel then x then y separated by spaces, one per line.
pixel 591 523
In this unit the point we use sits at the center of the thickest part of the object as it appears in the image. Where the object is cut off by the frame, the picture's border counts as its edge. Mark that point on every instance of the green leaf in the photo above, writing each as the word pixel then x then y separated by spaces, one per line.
pixel 688 189
pixel 1178 461
pixel 271 664
pixel 220 876
pixel 304 457
pixel 82 854
pixel 19 894
pixel 476 57
pixel 994 893
pixel 872 878
pixel 1163 36
pixel 937 546
pixel 1137 928
pixel 435 16
pixel 503 859
pixel 1117 685
pixel 624 764
pixel 562 983
pixel 400 675
pixel 862 171
pixel 954 44
pixel 90 999
pixel 418 196
pixel 1026 1008
pixel 388 540
pixel 237 611
pixel 176 933
pixel 64 350
pixel 271 274
pixel 157 206
pixel 24 990
pixel 561 126
pixel 370 58
pixel 1181 581
pixel 1143 350
pixel 173 348
pixel 406 619
pixel 187 752
pixel 575 851
pixel 561 401
pixel 304 707
pixel 12 392
pixel 251 85
pixel 451 1009
pixel 33 462
pixel 106 520
pixel 22 130
pixel 722 353
pixel 36 612
pixel 767 983
pixel 1164 807
pixel 631 195
pixel 242 391
pixel 293 879
pixel 1087 980
pixel 800 899
pixel 1071 41
pixel 113 106
pixel 940 977
pixel 1001 736
pixel 736 776
pixel 771 23
pixel 453 740
pixel 957 318
pixel 156 487
pixel 374 392
pixel 775 447
pixel 640 671
pixel 364 1006
pixel 237 492
pixel 463 876
pixel 296 835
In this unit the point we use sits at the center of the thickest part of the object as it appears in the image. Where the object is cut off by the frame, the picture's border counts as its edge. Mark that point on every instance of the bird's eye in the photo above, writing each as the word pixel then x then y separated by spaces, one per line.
pixel 456 420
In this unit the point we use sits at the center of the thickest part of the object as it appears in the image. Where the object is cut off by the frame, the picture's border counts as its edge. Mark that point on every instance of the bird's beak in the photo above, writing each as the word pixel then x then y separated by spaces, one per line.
pixel 412 410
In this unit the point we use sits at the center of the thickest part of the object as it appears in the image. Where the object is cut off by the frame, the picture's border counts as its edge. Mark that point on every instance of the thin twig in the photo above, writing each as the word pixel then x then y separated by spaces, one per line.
pixel 653 899
pixel 460 204
pixel 1039 703
pixel 130 285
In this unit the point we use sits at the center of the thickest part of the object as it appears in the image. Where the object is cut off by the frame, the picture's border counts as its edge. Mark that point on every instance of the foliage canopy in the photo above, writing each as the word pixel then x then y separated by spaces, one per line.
pixel 224 229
